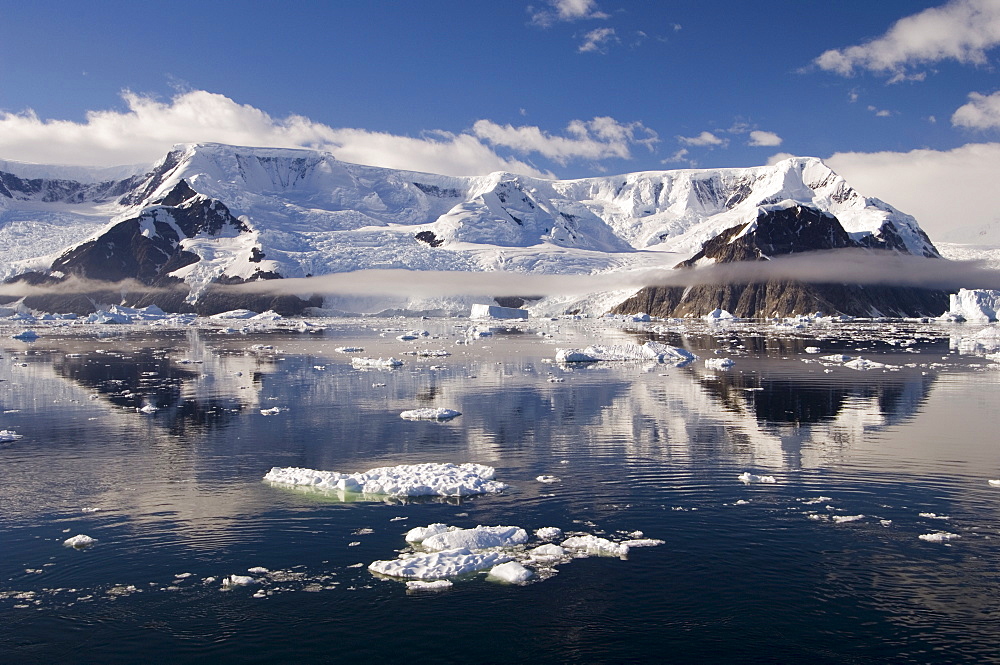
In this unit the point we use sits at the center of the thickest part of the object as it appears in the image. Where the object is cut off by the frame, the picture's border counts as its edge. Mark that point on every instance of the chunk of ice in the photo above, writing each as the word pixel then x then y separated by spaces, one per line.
pixel 746 478
pixel 511 572
pixel 719 363
pixel 79 541
pixel 431 479
pixel 655 351
pixel 479 538
pixel 420 533
pixel 438 565
pixel 939 537
pixel 595 545
pixel 549 533
pixel 420 585
pixel 430 414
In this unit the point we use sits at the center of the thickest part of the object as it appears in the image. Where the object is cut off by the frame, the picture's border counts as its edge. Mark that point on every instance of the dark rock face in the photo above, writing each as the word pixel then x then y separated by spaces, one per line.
pixel 69 191
pixel 787 231
pixel 143 251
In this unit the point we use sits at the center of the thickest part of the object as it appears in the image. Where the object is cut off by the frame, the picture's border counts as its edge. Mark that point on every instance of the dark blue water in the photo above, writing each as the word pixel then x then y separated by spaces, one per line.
pixel 747 573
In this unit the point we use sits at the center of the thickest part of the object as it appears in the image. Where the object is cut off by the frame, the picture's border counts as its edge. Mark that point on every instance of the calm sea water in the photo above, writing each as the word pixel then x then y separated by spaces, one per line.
pixel 747 573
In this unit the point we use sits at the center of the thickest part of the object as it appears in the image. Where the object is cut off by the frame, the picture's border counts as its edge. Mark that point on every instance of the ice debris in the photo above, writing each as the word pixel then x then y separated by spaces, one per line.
pixel 596 545
pixel 420 585
pixel 511 572
pixel 746 478
pixel 719 363
pixel 431 479
pixel 549 533
pixel 481 537
pixel 79 541
pixel 376 363
pixel 938 537
pixel 655 351
pixel 8 435
pixel 438 565
pixel 430 414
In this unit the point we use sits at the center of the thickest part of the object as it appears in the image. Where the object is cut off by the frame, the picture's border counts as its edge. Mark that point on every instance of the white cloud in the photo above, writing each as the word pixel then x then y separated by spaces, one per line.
pixel 600 138
pixel 961 30
pixel 148 128
pixel 678 157
pixel 761 138
pixel 982 112
pixel 705 139
pixel 880 113
pixel 565 10
pixel 951 193
pixel 596 41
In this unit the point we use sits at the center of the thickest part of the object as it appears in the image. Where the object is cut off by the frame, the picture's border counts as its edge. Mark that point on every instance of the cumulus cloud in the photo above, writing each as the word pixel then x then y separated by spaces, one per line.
pixel 596 41
pixel 961 30
pixel 148 127
pixel 766 139
pixel 951 192
pixel 600 138
pixel 565 10
pixel 704 140
pixel 982 112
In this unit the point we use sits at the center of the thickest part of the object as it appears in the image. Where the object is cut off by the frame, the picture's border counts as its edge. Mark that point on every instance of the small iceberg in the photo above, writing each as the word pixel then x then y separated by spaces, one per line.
pixel 26 336
pixel 939 537
pixel 655 351
pixel 747 478
pixel 719 363
pixel 511 572
pixel 438 565
pixel 8 435
pixel 595 545
pixel 431 479
pixel 479 538
pixel 430 414
pixel 79 541
pixel 376 363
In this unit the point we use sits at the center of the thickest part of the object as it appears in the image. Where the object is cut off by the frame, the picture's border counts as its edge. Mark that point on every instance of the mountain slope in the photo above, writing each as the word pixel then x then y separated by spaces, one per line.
pixel 211 214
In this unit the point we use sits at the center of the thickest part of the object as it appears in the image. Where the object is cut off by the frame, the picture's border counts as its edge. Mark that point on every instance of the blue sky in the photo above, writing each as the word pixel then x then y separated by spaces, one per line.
pixel 897 96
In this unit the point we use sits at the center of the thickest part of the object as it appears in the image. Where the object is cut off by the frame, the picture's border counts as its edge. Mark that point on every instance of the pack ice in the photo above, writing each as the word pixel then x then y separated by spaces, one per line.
pixel 655 351
pixel 431 479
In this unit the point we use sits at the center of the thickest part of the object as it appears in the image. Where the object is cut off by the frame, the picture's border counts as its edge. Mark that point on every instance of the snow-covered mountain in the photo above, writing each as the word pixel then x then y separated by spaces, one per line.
pixel 209 214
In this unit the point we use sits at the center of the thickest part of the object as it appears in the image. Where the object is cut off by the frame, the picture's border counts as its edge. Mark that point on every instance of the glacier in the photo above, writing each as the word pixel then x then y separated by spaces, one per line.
pixel 209 214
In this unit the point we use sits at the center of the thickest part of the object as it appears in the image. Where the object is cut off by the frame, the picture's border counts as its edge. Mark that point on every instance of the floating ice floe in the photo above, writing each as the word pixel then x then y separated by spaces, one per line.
pixel 420 585
pixel 8 435
pixel 478 538
pixel 595 545
pixel 865 364
pixel 438 565
pixel 444 551
pixel 349 349
pixel 994 483
pixel 718 314
pixel 237 580
pixel 938 537
pixel 511 572
pixel 377 363
pixel 843 519
pixel 655 351
pixel 719 363
pixel 147 408
pixel 548 479
pixel 430 414
pixel 273 411
pixel 549 533
pixel 837 358
pixel 26 336
pixel 812 349
pixel 431 479
pixel 746 478
pixel 79 541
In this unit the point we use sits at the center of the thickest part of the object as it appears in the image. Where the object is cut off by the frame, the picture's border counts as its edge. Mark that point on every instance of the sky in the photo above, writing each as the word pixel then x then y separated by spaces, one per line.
pixel 902 98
